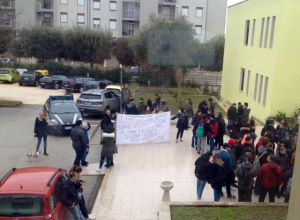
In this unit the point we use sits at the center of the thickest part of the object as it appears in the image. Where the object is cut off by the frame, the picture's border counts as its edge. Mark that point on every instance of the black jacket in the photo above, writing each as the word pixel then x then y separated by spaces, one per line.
pixel 78 138
pixel 202 167
pixel 69 194
pixel 232 113
pixel 131 109
pixel 106 124
pixel 40 127
pixel 217 176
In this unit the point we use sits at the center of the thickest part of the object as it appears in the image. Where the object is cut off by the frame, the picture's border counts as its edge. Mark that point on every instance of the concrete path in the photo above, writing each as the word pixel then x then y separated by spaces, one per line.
pixel 132 190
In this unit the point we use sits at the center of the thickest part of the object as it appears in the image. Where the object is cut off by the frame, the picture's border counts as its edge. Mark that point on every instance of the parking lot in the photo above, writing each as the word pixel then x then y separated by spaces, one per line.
pixel 16 134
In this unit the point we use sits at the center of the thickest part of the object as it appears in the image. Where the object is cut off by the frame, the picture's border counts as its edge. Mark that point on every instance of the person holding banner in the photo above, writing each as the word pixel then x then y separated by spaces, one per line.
pixel 182 123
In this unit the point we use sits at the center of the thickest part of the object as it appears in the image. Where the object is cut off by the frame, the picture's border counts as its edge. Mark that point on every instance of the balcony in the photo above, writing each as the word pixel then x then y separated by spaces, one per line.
pixel 45 19
pixel 129 28
pixel 131 11
pixel 167 2
pixel 45 6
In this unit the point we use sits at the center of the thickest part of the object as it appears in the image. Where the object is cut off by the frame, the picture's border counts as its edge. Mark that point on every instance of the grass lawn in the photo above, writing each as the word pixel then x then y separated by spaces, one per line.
pixel 9 103
pixel 169 95
pixel 229 213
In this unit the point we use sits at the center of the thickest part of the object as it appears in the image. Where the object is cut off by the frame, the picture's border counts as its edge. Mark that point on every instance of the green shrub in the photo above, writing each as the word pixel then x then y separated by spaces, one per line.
pixel 280 116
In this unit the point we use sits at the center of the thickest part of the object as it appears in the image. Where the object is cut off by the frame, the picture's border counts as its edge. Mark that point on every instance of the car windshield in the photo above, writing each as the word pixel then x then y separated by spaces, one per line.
pixel 4 71
pixel 118 92
pixel 23 205
pixel 28 74
pixel 63 107
pixel 90 96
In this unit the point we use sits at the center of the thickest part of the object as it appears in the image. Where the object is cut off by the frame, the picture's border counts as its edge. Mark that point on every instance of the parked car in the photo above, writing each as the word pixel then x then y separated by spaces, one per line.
pixel 95 101
pixel 43 72
pixel 53 82
pixel 32 193
pixel 30 78
pixel 63 114
pixel 9 75
pixel 116 89
pixel 76 84
pixel 21 71
pixel 101 84
pixel 7 60
pixel 134 70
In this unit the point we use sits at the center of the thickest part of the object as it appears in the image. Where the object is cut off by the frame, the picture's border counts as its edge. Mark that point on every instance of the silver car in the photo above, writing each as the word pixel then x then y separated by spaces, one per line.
pixel 95 101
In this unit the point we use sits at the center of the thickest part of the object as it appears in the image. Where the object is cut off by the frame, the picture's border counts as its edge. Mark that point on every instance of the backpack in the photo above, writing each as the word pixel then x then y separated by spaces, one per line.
pixel 200 131
pixel 244 175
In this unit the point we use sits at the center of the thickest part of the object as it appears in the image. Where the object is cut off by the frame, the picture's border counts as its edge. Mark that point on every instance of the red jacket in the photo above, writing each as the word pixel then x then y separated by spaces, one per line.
pixel 213 129
pixel 270 175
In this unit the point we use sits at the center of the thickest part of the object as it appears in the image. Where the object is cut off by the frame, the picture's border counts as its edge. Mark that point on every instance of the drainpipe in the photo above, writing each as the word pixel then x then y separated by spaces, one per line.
pixel 206 15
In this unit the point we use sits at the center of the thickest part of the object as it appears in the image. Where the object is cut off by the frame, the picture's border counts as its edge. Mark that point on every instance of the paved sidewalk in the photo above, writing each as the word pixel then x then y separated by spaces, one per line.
pixel 133 189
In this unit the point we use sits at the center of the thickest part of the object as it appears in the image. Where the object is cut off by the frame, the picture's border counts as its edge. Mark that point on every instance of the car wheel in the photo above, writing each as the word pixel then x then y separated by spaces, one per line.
pixel 20 84
pixel 81 90
pixel 36 84
pixel 56 86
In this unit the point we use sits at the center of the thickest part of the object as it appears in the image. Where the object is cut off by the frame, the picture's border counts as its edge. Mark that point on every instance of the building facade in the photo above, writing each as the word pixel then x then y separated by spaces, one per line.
pixel 261 56
pixel 7 14
pixel 122 17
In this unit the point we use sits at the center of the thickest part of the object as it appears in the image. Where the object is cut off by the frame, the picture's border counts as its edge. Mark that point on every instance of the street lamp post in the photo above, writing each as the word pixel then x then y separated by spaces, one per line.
pixel 121 83
pixel 121 75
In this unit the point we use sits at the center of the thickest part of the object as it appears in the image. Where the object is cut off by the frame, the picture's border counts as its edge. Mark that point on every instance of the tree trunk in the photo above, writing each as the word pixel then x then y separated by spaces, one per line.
pixel 178 77
pixel 91 67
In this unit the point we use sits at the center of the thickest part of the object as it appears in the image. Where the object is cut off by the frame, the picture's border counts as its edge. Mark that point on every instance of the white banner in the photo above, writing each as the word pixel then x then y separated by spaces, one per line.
pixel 143 129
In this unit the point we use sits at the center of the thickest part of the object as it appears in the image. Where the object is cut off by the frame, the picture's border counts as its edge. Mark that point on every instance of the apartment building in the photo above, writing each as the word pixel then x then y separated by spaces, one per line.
pixel 122 17
pixel 261 56
pixel 7 14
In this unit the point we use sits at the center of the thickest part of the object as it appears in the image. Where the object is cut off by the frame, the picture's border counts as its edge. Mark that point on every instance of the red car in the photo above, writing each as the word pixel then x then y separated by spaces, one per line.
pixel 32 193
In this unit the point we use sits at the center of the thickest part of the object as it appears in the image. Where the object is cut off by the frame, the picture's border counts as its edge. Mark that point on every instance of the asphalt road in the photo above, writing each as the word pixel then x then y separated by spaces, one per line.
pixel 16 139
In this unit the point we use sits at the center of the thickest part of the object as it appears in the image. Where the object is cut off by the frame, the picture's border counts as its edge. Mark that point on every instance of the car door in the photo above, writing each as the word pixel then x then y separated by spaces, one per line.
pixel 108 100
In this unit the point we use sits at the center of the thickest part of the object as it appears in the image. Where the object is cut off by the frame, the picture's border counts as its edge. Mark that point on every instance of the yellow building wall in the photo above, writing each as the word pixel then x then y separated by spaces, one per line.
pixel 274 63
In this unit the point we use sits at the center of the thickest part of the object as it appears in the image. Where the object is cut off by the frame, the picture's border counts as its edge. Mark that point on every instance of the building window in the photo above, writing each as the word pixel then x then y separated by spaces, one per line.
pixel 80 18
pixel 272 31
pixel 96 23
pixel 248 83
pixel 185 11
pixel 63 17
pixel 63 2
pixel 253 32
pixel 261 82
pixel 267 32
pixel 96 5
pixel 199 12
pixel 242 80
pixel 255 87
pixel 80 2
pixel 266 91
pixel 5 3
pixel 113 5
pixel 262 32
pixel 112 24
pixel 198 29
pixel 247 30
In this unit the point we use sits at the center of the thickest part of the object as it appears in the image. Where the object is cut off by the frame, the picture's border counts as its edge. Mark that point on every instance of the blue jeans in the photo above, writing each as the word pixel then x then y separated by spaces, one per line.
pixel 200 187
pixel 39 138
pixel 80 153
pixel 194 140
pixel 217 194
pixel 212 144
pixel 77 213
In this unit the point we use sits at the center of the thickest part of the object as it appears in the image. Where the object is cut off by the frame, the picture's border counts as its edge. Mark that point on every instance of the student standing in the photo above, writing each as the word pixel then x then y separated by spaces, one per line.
pixel 41 131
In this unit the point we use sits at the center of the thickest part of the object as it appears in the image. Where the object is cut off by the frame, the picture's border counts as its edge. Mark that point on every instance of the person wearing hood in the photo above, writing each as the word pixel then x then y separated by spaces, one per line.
pixel 157 100
pixel 41 131
pixel 202 166
pixel 245 174
pixel 269 127
pixel 131 108
pixel 142 107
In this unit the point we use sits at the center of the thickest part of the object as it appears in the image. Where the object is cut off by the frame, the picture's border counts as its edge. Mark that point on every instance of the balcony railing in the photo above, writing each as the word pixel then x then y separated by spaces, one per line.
pixel 167 2
pixel 131 15
pixel 7 4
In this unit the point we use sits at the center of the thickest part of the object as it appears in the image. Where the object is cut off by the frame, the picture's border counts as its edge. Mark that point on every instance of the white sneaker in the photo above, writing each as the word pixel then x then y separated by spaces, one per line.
pixel 92 216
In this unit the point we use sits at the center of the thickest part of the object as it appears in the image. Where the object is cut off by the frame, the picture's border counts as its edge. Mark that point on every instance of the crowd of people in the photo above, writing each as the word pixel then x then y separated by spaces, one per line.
pixel 263 165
